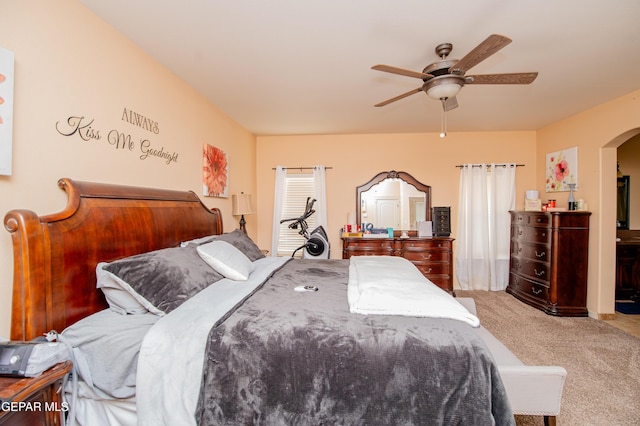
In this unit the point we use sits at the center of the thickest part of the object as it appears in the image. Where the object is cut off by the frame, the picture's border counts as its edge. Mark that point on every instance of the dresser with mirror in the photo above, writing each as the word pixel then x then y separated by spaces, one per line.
pixel 397 200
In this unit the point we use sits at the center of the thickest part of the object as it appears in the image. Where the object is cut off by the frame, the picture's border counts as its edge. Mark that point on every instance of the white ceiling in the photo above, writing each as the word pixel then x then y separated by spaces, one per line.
pixel 304 67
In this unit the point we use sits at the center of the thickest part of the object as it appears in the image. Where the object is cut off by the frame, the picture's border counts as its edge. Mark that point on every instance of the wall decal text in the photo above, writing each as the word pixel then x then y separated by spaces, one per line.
pixel 140 120
pixel 85 129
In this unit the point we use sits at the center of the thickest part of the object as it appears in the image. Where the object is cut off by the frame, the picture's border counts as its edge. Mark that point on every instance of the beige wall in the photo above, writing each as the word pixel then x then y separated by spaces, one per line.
pixel 597 133
pixel 355 159
pixel 69 62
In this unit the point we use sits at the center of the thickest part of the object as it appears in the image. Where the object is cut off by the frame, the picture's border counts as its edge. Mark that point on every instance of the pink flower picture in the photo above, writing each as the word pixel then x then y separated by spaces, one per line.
pixel 561 170
pixel 215 172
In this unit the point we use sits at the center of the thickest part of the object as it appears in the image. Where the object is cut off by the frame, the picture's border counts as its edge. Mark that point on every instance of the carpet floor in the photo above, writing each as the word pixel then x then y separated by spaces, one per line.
pixel 602 362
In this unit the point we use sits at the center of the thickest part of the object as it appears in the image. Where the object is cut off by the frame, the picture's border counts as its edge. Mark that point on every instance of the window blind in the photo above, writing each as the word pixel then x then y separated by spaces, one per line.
pixel 297 188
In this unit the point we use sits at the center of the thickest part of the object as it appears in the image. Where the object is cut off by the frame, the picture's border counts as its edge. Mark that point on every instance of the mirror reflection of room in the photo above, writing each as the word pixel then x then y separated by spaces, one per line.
pixel 393 203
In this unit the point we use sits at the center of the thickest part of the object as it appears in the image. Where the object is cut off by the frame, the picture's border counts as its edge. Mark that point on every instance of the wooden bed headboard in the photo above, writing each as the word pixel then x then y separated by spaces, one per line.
pixel 55 256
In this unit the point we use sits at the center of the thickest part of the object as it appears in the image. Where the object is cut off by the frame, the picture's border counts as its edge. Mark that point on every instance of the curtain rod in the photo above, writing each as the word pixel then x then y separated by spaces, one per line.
pixel 480 165
pixel 301 168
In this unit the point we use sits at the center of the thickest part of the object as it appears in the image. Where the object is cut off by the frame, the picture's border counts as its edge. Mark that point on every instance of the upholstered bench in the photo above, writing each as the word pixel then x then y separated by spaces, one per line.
pixel 532 390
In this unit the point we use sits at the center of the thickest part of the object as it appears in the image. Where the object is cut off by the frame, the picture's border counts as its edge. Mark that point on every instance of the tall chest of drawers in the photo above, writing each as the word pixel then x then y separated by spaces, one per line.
pixel 549 260
pixel 432 256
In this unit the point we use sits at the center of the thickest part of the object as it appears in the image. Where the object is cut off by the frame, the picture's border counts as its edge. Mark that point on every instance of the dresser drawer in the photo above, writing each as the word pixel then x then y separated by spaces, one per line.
pixel 371 243
pixel 368 247
pixel 531 219
pixel 427 256
pixel 427 244
pixel 442 281
pixel 429 268
pixel 539 252
pixel 532 234
pixel 531 268
pixel 529 288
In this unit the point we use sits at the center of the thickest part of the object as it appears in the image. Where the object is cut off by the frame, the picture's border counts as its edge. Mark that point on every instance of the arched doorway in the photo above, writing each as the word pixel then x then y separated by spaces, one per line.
pixel 607 207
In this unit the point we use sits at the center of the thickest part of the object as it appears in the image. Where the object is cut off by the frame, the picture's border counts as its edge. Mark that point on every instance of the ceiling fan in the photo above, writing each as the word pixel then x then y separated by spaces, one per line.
pixel 444 79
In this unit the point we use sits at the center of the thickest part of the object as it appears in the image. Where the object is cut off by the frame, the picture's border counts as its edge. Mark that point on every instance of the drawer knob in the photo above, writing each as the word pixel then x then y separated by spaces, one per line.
pixel 538 273
pixel 533 290
pixel 427 257
pixel 428 270
pixel 540 254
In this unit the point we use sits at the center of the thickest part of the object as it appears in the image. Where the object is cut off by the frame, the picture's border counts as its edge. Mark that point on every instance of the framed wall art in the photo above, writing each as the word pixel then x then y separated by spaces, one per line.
pixel 6 110
pixel 215 172
pixel 561 170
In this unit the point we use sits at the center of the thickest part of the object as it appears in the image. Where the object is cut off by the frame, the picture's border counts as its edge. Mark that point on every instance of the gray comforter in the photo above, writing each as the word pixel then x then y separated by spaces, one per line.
pixel 300 358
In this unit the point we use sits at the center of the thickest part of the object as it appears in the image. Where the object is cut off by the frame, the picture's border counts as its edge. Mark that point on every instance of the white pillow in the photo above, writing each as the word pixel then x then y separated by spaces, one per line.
pixel 227 260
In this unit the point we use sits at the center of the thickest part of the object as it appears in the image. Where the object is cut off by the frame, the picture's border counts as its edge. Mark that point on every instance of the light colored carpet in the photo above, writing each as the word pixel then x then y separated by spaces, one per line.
pixel 602 362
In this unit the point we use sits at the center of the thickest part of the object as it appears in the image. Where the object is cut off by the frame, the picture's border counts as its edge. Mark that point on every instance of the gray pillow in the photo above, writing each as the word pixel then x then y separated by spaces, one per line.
pixel 162 280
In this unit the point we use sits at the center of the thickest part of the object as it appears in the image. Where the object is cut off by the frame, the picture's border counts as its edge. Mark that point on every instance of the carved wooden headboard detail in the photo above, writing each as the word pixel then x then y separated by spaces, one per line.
pixel 55 256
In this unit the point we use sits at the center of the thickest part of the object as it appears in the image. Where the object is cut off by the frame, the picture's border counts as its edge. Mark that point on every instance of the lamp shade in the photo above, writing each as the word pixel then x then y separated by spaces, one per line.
pixel 444 86
pixel 241 204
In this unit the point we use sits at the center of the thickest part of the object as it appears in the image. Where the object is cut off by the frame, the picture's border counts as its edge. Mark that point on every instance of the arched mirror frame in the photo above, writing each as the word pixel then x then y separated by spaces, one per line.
pixel 406 177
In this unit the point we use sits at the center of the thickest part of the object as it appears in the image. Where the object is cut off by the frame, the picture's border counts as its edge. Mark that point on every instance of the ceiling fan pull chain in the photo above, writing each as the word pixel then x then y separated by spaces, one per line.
pixel 443 124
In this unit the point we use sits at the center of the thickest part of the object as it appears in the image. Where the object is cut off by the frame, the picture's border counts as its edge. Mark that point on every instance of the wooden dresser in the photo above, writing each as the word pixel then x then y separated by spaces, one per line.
pixel 432 256
pixel 549 259
pixel 628 269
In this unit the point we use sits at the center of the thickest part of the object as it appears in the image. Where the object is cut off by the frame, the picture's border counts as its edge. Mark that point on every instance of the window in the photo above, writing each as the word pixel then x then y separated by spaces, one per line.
pixel 297 188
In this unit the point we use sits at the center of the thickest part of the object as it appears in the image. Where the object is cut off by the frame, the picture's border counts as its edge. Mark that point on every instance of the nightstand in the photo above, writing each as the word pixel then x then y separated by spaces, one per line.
pixel 34 400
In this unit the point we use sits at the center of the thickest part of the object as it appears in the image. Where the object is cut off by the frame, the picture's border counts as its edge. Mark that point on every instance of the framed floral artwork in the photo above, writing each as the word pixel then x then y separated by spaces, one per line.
pixel 215 172
pixel 561 169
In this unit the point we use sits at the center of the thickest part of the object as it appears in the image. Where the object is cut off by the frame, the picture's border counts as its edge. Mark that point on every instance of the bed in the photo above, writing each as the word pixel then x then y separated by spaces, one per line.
pixel 245 347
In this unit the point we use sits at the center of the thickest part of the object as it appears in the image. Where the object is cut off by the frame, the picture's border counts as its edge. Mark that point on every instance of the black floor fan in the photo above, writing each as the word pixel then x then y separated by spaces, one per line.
pixel 316 244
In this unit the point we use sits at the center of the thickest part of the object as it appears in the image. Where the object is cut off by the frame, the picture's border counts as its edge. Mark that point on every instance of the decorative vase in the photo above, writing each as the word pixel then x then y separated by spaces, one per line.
pixel 572 201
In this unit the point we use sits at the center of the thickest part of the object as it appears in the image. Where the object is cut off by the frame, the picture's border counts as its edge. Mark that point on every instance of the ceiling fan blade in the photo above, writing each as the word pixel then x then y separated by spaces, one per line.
pixel 401 71
pixel 397 98
pixel 512 78
pixel 491 45
pixel 450 103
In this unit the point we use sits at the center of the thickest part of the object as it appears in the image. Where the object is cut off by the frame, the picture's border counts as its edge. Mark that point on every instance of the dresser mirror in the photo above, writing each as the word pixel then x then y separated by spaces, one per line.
pixel 622 211
pixel 393 200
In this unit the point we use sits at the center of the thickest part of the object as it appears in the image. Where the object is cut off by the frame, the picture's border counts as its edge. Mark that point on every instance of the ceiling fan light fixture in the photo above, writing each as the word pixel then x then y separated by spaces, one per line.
pixel 444 87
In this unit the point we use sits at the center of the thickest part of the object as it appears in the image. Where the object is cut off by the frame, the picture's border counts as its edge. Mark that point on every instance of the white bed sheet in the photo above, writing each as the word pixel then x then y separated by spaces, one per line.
pixel 92 409
pixel 391 285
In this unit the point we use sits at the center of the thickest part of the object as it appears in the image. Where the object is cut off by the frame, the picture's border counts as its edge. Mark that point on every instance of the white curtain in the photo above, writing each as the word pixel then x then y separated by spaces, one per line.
pixel 487 193
pixel 319 180
pixel 278 201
